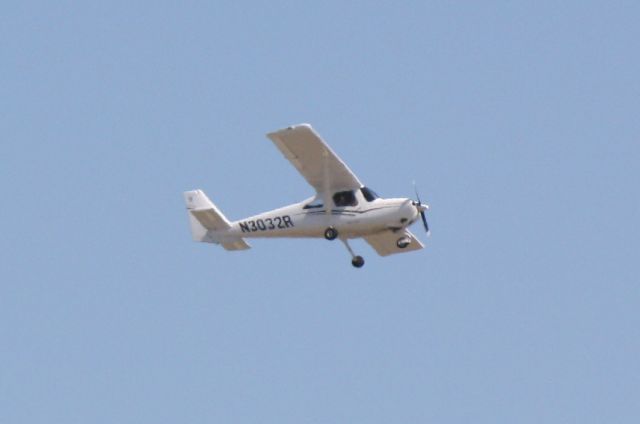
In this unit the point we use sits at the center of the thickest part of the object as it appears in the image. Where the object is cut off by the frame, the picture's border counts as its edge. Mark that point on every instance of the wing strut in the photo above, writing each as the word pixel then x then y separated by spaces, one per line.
pixel 326 183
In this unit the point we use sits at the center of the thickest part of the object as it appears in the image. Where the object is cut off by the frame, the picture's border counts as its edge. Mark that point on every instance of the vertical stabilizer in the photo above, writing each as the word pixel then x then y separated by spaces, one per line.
pixel 208 224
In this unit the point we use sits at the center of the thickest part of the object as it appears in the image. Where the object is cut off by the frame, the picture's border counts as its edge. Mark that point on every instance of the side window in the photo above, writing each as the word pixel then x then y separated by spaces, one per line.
pixel 315 204
pixel 345 198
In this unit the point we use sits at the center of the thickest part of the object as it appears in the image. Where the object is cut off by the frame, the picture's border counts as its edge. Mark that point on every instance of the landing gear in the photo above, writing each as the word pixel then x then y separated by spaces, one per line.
pixel 330 233
pixel 357 261
pixel 403 242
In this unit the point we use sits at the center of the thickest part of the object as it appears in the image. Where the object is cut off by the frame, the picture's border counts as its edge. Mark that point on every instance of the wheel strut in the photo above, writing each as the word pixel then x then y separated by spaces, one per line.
pixel 356 260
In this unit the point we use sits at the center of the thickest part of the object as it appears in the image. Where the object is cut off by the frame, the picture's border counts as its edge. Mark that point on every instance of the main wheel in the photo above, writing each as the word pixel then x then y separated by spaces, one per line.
pixel 358 261
pixel 403 242
pixel 330 233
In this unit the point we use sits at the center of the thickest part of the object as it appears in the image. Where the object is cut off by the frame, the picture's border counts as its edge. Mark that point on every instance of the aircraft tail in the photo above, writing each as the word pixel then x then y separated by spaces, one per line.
pixel 208 224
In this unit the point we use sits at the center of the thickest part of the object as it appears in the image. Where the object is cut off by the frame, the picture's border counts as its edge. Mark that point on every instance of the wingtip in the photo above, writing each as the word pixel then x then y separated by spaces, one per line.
pixel 296 126
pixel 290 128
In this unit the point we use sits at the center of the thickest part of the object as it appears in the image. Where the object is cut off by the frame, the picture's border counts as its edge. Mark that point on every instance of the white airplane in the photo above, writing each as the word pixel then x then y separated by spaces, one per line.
pixel 342 207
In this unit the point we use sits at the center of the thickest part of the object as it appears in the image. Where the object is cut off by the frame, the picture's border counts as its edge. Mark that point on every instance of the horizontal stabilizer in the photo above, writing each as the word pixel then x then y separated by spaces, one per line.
pixel 205 211
pixel 208 224
pixel 236 244
pixel 210 219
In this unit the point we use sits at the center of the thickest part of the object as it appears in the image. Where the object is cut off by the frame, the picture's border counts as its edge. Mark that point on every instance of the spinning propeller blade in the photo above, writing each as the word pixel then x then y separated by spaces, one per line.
pixel 421 209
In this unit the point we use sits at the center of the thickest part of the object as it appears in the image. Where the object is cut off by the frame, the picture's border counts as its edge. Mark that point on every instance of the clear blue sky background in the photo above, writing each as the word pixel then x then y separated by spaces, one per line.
pixel 518 120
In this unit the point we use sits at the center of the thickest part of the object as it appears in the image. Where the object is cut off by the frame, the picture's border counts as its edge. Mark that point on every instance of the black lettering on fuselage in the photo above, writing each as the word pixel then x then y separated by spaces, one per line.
pixel 287 221
pixel 266 224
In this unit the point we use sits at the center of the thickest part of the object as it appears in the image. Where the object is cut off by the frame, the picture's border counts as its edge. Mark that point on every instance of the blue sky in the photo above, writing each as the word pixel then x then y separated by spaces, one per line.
pixel 518 121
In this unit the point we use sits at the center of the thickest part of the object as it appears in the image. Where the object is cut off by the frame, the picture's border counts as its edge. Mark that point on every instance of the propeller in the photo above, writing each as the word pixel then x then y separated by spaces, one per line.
pixel 421 208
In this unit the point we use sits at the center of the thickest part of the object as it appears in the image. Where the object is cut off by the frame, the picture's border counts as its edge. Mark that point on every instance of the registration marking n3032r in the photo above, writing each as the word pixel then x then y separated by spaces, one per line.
pixel 266 224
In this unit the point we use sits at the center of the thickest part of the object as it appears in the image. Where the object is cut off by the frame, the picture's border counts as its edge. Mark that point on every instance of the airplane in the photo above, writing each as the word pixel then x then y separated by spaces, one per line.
pixel 342 208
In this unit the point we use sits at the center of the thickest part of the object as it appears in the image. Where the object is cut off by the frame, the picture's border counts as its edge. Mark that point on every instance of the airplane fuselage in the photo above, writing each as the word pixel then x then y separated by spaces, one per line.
pixel 300 220
pixel 342 208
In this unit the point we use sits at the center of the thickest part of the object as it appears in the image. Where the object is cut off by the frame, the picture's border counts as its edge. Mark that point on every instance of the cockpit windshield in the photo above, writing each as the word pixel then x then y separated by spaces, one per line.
pixel 369 194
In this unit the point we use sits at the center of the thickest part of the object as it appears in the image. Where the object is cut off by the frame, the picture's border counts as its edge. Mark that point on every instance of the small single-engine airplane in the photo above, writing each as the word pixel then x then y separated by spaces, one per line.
pixel 342 207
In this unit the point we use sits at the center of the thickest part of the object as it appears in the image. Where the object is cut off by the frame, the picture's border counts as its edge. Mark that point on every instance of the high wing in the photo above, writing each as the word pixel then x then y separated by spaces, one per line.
pixel 385 242
pixel 314 159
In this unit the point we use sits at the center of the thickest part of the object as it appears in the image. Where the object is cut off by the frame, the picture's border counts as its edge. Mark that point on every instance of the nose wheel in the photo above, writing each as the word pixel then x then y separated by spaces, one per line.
pixel 357 260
